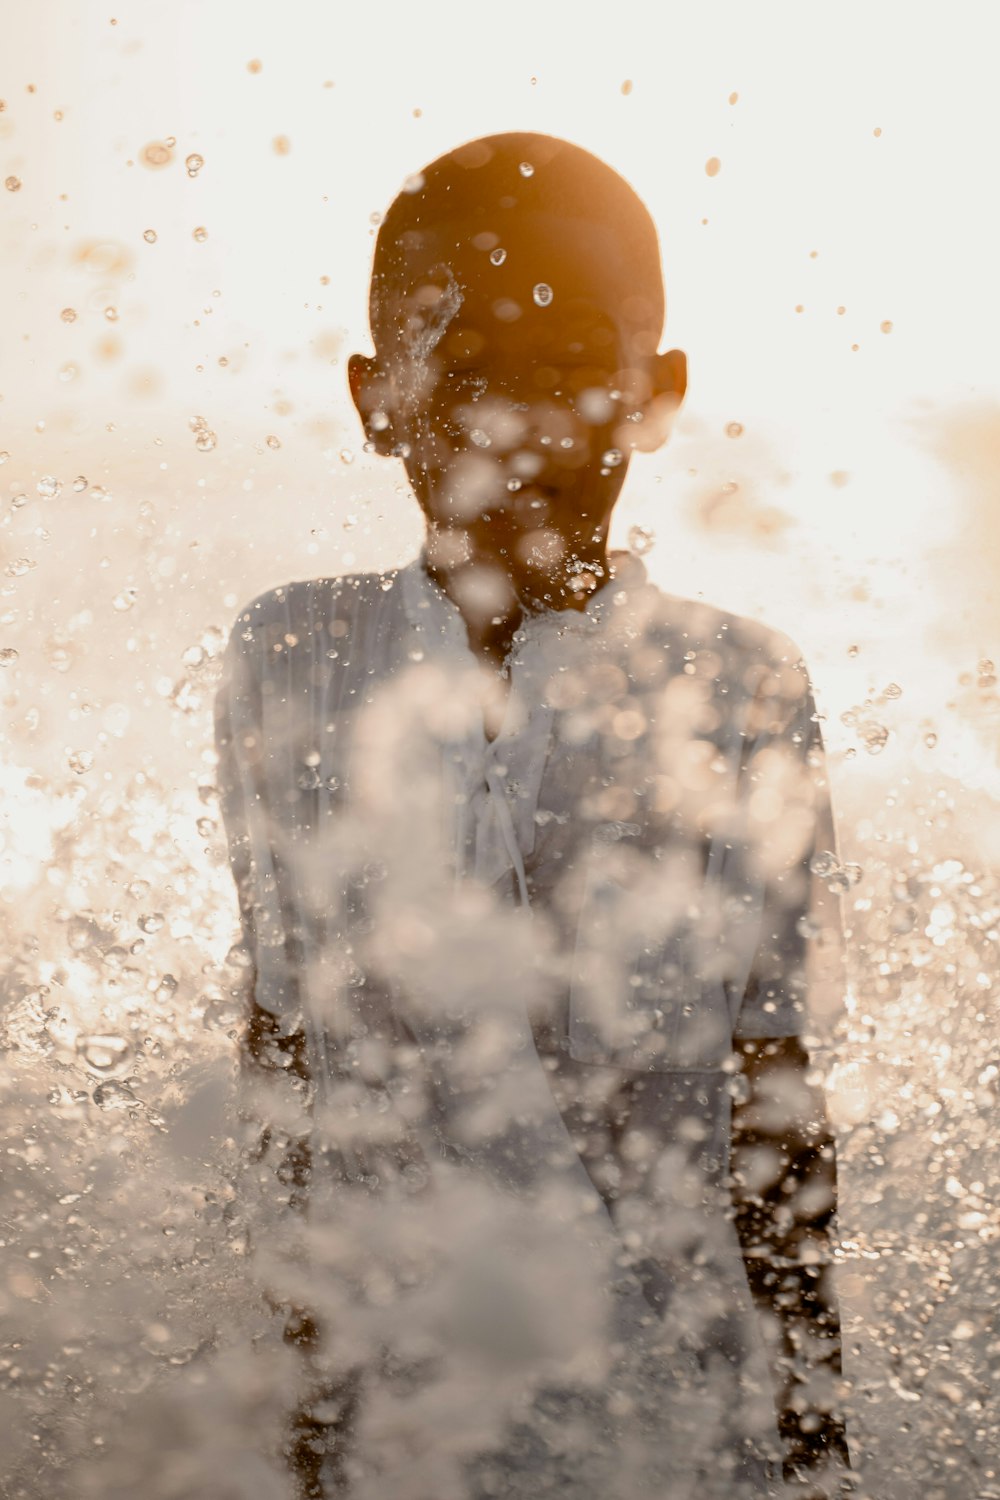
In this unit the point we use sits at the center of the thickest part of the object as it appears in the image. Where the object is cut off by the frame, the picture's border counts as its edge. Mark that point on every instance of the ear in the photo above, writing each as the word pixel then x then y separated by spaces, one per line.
pixel 371 392
pixel 668 382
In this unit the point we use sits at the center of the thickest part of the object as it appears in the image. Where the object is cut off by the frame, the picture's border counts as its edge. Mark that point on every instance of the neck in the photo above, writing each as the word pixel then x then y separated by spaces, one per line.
pixel 493 594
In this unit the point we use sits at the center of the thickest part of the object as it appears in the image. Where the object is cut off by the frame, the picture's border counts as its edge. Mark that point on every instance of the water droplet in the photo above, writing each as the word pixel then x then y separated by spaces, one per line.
pixel 12 184
pixel 106 1052
pixel 111 313
pixel 824 864
pixel 137 889
pixel 224 1011
pixel 113 1095
pixel 193 656
pixel 350 522
pixel 156 154
pixel 583 583
pixel 611 458
pixel 79 761
pixel 4 455
pixel 885 326
pixel 514 485
pixel 18 567
pixel 930 739
pixel 200 234
pixel 480 438
pixel 734 429
pixel 526 169
pixel 8 655
pixel 641 540
pixel 713 167
pixel 346 456
pixel 378 421
pixel 892 691
pixel 125 600
pixel 542 294
pixel 205 441
pixel 272 441
pixel 498 256
pixel 68 314
pixel 151 921
pixel 98 492
pixel 68 372
pixel 874 737
pixel 48 486
pixel 194 163
pixel 239 957
pixel 149 235
pixel 853 650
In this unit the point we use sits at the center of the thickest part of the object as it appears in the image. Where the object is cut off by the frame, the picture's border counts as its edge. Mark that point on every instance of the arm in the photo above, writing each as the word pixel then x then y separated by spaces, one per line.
pixel 275 1085
pixel 785 1194
pixel 272 1055
pixel 784 1170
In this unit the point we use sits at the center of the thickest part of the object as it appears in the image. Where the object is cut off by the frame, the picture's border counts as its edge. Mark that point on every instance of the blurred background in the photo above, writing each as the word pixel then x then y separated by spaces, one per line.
pixel 189 194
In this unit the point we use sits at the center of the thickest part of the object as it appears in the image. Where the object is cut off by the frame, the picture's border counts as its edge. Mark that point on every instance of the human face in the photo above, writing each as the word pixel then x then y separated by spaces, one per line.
pixel 516 386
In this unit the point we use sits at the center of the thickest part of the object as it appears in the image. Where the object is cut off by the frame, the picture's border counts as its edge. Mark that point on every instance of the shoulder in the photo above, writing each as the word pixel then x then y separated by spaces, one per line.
pixel 708 627
pixel 733 646
pixel 292 613
pixel 306 599
pixel 276 638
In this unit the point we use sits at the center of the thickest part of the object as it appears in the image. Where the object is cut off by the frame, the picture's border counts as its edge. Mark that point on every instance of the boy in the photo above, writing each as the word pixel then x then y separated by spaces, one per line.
pixel 536 867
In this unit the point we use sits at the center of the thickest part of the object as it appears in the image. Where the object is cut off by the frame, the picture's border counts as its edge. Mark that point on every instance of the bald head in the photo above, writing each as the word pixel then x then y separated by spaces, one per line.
pixel 516 212
pixel 517 308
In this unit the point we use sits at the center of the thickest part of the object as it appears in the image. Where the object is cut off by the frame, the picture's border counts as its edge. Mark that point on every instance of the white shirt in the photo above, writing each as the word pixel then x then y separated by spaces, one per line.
pixel 629 876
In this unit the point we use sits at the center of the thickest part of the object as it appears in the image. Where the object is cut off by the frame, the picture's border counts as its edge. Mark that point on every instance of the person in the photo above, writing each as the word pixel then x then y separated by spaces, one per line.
pixel 539 889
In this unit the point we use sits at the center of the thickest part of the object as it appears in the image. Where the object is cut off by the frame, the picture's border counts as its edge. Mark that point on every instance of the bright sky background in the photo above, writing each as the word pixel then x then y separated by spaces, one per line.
pixel 856 172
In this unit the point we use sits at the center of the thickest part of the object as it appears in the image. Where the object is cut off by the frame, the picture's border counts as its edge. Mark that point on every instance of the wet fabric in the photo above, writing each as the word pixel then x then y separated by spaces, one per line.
pixel 520 965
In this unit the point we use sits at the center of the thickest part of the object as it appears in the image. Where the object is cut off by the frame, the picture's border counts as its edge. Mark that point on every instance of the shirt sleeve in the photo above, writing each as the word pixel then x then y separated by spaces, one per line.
pixel 244 802
pixel 272 1086
pixel 797 977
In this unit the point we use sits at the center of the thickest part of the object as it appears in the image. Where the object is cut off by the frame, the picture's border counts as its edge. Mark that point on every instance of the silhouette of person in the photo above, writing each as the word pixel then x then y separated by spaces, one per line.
pixel 537 872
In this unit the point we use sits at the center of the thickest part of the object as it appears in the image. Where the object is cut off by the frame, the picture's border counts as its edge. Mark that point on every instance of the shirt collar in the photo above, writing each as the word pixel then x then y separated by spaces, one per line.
pixel 428 606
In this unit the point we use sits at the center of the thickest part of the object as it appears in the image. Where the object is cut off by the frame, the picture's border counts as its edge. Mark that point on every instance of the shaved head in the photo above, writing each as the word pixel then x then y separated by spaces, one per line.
pixel 516 308
pixel 498 197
